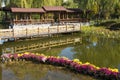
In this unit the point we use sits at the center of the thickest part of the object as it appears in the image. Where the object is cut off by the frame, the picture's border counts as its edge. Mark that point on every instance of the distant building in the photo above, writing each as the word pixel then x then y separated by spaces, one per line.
pixel 46 14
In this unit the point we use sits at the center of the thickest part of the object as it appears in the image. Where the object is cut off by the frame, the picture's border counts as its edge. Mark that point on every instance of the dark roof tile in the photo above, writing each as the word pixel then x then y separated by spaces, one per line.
pixel 28 10
pixel 54 8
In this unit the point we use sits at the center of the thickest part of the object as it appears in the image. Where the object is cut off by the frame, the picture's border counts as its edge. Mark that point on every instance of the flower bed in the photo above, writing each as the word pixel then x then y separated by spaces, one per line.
pixel 75 65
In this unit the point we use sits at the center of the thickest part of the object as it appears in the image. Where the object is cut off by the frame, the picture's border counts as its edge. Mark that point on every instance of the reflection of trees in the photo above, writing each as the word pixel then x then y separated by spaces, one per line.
pixel 21 70
pixel 42 72
pixel 105 53
pixel 0 71
pixel 0 49
pixel 51 52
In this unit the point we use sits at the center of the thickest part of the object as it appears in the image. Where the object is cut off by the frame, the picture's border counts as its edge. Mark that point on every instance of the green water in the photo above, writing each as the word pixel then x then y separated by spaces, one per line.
pixel 30 71
pixel 103 52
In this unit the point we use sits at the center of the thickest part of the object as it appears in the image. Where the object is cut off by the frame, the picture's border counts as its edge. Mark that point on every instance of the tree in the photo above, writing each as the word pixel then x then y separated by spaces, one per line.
pixel 117 9
pixel 102 7
pixel 69 4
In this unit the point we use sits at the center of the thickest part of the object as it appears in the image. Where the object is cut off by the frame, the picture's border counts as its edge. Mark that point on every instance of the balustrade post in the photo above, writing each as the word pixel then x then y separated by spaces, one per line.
pixel 57 29
pixel 73 27
pixel 48 30
pixel 80 26
pixel 26 32
pixel 66 27
pixel 38 31
pixel 13 32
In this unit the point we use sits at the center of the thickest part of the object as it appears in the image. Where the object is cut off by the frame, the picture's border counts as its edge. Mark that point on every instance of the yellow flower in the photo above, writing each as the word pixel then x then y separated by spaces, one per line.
pixel 79 62
pixel 48 56
pixel 76 60
pixel 19 55
pixel 37 54
pixel 114 70
pixel 87 63
pixel 42 55
pixel 58 57
pixel 93 65
pixel 97 67
pixel 65 58
pixel 102 32
pixel 26 53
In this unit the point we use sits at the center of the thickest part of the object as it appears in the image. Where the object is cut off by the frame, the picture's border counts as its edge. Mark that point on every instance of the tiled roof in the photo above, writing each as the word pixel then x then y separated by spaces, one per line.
pixel 54 8
pixel 28 10
pixel 43 9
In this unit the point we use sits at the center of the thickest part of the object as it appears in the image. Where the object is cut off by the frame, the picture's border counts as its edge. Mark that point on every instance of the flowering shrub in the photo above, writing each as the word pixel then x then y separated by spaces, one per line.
pixel 75 65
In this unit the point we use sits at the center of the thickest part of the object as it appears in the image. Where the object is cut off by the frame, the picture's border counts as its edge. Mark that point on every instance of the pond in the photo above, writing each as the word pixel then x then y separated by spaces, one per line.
pixel 30 71
pixel 103 52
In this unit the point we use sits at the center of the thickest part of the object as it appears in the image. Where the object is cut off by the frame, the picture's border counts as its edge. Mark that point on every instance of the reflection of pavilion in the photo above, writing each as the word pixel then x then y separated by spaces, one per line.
pixel 39 44
pixel 46 14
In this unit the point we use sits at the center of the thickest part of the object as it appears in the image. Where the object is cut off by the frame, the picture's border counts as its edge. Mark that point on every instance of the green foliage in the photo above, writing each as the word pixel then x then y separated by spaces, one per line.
pixel 107 23
pixel 70 4
pixel 104 9
pixel 115 26
pixel 101 31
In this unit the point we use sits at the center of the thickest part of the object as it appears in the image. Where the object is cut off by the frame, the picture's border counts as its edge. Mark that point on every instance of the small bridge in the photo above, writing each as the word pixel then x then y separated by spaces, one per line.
pixel 32 31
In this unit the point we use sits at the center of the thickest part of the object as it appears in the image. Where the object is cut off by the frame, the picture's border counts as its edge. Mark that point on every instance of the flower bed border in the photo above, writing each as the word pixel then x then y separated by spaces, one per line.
pixel 75 65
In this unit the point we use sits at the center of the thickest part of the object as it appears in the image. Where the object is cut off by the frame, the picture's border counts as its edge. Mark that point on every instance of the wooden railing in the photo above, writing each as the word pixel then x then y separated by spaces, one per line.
pixel 33 21
pixel 74 20
pixel 37 31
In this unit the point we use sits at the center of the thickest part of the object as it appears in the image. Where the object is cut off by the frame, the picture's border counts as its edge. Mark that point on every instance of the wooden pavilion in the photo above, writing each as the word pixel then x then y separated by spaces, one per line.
pixel 46 14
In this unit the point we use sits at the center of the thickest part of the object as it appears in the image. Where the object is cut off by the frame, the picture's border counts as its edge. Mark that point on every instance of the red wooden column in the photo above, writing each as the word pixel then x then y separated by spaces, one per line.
pixel 6 15
pixel 44 17
pixel 30 18
pixel 59 15
pixel 67 15
pixel 16 18
pixel 52 17
pixel 63 16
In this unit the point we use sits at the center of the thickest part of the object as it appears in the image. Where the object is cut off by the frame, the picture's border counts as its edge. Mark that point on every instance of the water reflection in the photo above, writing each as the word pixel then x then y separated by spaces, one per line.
pixel 67 52
pixel 99 51
pixel 16 71
pixel 23 46
pixel 102 52
pixel 8 74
